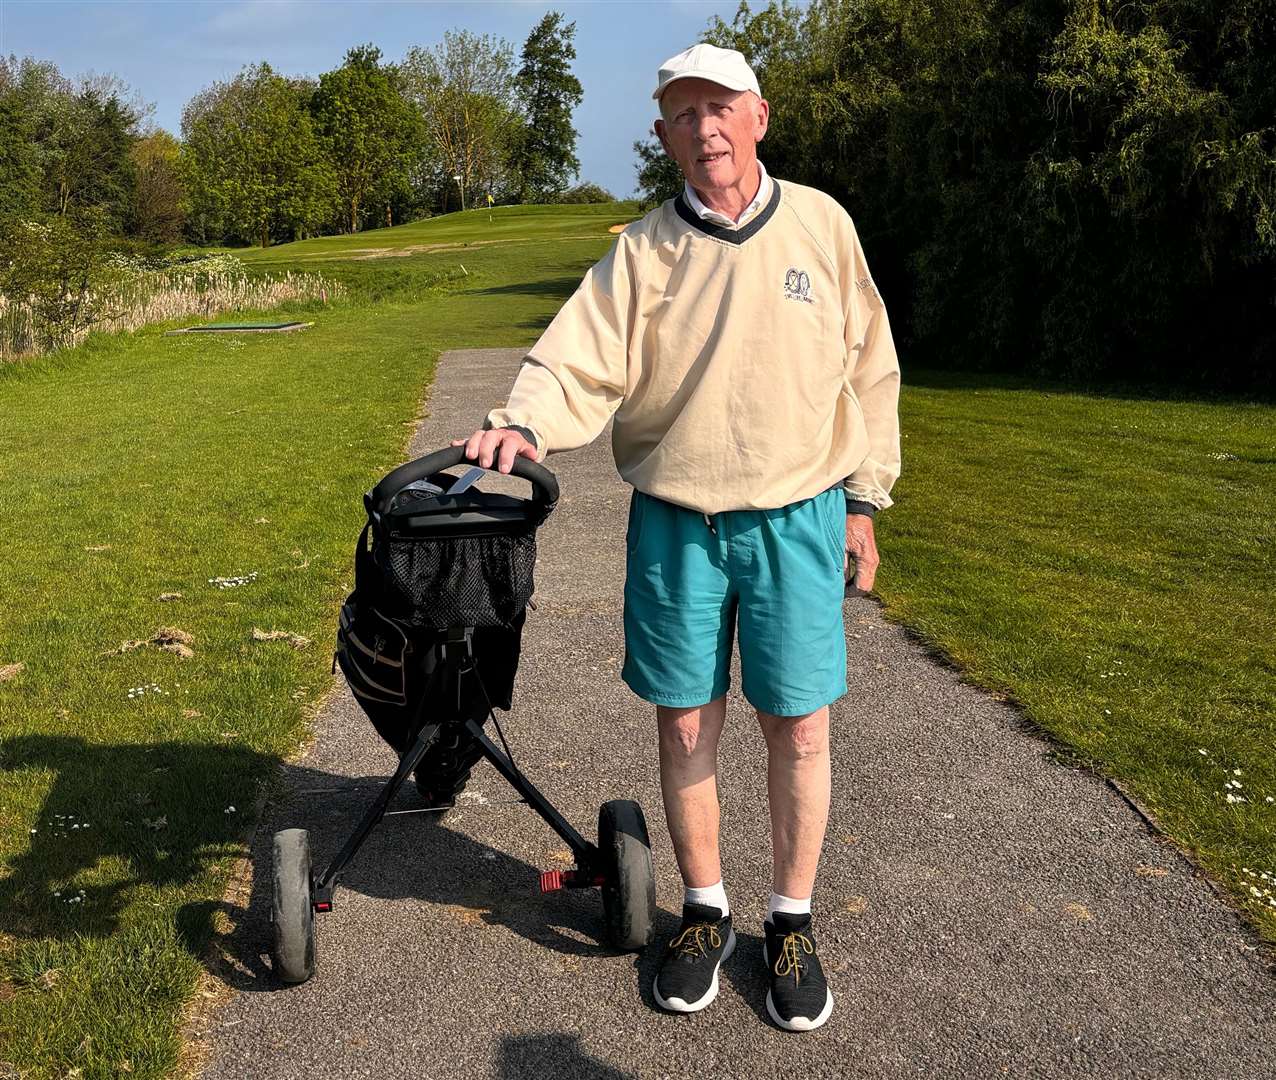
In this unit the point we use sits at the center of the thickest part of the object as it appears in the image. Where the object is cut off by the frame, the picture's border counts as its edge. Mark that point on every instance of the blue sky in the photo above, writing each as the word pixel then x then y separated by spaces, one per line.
pixel 167 50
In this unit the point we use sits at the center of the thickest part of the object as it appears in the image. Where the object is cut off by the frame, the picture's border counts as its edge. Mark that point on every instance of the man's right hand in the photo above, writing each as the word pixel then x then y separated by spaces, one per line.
pixel 503 444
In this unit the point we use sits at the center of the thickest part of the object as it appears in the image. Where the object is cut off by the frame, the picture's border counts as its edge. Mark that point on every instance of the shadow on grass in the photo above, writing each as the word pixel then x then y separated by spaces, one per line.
pixel 153 814
pixel 561 287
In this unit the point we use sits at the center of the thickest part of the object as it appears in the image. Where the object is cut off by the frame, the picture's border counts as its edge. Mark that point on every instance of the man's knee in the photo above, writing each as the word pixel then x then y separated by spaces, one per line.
pixel 796 737
pixel 689 732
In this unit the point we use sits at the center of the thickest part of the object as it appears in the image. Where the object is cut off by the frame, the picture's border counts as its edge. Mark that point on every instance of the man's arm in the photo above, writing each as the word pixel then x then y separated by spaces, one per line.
pixel 573 379
pixel 873 372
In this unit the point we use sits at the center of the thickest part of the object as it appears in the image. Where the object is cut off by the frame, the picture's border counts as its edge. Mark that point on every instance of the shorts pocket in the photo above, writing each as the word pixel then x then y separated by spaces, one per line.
pixel 637 514
pixel 836 507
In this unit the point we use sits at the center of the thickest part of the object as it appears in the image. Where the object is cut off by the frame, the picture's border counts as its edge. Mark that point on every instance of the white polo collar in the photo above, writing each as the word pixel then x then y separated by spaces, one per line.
pixel 705 214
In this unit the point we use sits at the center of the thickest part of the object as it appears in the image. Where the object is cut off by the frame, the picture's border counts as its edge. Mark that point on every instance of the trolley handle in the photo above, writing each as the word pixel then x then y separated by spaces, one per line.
pixel 377 501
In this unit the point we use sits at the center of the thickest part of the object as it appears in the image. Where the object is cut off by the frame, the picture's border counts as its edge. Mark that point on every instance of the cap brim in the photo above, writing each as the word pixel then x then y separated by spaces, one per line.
pixel 730 84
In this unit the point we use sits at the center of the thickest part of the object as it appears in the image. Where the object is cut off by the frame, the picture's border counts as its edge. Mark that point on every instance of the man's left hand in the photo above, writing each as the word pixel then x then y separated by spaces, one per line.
pixel 861 546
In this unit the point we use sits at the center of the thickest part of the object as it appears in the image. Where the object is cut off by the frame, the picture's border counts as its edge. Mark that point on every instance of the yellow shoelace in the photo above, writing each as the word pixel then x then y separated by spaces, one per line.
pixel 790 960
pixel 691 940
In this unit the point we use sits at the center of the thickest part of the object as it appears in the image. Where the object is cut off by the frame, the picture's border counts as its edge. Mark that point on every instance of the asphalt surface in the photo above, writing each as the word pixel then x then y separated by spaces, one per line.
pixel 981 909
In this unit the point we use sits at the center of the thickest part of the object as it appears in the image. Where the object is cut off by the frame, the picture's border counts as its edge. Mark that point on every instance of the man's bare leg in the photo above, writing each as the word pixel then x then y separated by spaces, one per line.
pixel 798 784
pixel 689 782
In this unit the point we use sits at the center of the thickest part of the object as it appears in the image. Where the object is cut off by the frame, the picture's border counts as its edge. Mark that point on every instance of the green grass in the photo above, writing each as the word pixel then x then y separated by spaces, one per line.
pixel 1104 560
pixel 472 229
pixel 142 465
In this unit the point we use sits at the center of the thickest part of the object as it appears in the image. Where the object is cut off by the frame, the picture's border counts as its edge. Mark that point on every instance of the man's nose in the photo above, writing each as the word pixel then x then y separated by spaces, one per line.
pixel 706 127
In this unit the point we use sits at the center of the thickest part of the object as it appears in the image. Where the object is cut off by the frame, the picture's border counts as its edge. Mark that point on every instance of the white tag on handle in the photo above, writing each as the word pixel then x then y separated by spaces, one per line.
pixel 466 480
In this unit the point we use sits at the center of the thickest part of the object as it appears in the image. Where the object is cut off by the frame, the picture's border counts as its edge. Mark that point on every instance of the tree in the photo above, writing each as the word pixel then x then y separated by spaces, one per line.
pixel 659 177
pixel 65 146
pixel 251 160
pixel 544 159
pixel 464 91
pixel 1075 187
pixel 368 129
pixel 88 162
pixel 21 175
pixel 159 200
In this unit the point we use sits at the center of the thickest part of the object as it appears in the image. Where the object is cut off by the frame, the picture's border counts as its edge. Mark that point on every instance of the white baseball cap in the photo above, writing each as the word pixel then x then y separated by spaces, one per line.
pixel 726 67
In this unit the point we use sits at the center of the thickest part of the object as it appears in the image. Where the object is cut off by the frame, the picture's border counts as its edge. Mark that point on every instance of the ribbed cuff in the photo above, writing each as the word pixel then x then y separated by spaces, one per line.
pixel 859 506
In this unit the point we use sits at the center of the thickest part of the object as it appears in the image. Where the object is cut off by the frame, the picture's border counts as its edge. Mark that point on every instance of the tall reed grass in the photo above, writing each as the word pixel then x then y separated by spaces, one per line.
pixel 128 296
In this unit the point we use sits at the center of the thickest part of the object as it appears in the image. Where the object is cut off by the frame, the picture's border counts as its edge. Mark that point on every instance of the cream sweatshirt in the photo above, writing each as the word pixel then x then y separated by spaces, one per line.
pixel 746 368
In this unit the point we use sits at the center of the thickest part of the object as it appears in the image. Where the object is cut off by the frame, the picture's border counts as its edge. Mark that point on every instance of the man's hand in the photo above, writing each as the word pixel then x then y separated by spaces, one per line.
pixel 505 444
pixel 861 545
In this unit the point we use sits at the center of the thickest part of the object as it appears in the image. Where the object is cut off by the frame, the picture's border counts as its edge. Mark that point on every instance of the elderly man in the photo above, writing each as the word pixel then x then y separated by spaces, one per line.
pixel 737 338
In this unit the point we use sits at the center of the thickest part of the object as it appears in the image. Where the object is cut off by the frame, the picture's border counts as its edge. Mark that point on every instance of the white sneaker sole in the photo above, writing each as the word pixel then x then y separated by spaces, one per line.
pixel 798 1023
pixel 676 1004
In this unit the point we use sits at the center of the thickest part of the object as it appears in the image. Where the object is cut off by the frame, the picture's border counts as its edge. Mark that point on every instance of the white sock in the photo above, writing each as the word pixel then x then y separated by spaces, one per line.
pixel 713 895
pixel 788 905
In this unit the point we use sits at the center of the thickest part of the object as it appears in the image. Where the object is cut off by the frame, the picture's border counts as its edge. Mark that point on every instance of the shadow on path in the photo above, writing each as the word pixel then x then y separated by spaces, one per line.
pixel 522 1056
pixel 409 856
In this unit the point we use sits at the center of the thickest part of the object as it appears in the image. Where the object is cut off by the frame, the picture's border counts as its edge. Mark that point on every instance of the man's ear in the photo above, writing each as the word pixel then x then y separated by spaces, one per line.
pixel 764 116
pixel 659 127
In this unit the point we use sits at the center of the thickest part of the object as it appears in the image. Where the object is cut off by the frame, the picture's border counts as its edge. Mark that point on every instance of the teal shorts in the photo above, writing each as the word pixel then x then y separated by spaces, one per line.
pixel 778 573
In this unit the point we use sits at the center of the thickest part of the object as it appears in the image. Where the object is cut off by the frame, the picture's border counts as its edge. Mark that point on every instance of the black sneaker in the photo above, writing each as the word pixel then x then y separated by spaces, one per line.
pixel 688 977
pixel 799 999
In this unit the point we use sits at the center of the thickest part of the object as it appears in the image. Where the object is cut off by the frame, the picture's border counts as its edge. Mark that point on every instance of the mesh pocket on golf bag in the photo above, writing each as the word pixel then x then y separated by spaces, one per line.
pixel 464 580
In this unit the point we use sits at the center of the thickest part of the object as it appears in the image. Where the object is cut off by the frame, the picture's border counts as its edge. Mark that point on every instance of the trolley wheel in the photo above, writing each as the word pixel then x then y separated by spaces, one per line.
pixel 629 893
pixel 292 915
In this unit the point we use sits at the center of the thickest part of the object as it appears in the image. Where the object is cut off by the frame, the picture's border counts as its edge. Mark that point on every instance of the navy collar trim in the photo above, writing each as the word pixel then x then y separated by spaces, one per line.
pixel 721 232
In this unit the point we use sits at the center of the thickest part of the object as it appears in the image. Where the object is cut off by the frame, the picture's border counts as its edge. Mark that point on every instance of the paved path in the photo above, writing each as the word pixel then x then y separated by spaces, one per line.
pixel 983 911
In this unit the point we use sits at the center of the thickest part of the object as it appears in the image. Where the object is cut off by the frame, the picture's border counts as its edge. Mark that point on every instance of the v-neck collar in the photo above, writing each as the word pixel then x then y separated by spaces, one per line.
pixel 721 232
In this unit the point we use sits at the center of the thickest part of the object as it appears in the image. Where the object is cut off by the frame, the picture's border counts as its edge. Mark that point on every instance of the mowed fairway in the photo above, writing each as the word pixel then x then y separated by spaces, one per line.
pixel 1106 561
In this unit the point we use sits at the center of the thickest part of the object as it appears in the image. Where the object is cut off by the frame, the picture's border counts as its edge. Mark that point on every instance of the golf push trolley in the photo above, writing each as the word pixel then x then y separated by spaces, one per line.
pixel 429 643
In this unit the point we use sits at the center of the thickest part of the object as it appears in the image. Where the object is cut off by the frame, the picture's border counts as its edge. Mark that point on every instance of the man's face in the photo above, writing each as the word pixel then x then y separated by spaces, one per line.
pixel 711 132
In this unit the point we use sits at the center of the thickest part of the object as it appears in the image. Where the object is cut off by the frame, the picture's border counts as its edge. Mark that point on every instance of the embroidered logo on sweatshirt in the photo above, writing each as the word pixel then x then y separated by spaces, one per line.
pixel 797 286
pixel 866 285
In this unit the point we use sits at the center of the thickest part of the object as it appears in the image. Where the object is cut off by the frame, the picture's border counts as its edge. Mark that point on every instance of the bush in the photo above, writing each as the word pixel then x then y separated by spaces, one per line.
pixel 586 193
pixel 50 289
pixel 61 282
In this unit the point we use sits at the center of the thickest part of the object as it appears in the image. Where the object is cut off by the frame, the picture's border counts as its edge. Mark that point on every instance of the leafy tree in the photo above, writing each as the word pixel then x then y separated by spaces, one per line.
pixel 252 163
pixel 369 130
pixel 159 200
pixel 89 163
pixel 1064 186
pixel 659 177
pixel 65 146
pixel 464 90
pixel 21 174
pixel 544 159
